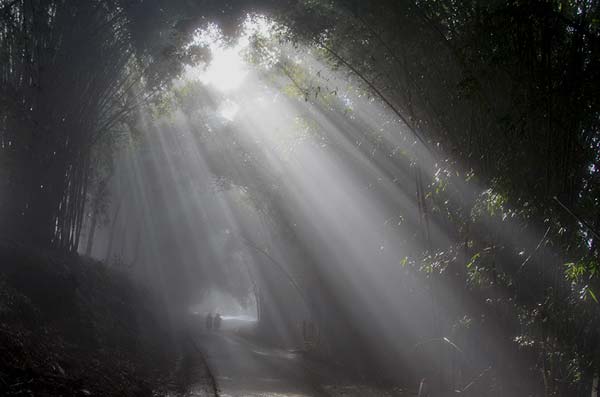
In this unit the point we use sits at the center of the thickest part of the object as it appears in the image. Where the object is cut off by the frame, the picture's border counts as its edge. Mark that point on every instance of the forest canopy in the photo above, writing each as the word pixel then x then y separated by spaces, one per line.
pixel 485 114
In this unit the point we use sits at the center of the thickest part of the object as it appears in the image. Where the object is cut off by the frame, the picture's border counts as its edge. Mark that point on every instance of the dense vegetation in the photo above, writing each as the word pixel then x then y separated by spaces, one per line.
pixel 501 95
pixel 505 94
pixel 71 326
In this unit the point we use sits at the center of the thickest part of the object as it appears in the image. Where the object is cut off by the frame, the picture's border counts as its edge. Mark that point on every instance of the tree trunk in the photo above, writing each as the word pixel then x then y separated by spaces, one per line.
pixel 90 240
pixel 111 238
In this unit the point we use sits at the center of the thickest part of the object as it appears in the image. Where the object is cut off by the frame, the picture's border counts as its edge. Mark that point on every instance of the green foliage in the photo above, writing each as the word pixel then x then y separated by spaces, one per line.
pixel 489 204
pixel 580 274
pixel 473 260
pixel 505 89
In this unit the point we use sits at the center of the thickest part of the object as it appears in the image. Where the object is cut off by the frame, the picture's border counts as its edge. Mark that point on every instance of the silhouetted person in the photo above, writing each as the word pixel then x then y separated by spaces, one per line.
pixel 209 321
pixel 217 322
pixel 423 390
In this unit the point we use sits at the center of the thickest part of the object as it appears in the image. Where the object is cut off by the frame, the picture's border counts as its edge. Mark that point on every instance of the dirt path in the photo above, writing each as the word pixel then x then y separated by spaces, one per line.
pixel 243 369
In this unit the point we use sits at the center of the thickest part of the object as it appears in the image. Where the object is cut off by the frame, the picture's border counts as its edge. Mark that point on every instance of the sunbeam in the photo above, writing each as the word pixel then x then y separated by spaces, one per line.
pixel 299 198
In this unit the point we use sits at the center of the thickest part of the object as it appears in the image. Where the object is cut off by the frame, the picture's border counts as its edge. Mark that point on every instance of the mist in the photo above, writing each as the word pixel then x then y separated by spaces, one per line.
pixel 305 199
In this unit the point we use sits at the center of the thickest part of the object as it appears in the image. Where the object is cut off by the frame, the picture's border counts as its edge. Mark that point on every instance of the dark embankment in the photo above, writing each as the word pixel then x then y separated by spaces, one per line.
pixel 72 326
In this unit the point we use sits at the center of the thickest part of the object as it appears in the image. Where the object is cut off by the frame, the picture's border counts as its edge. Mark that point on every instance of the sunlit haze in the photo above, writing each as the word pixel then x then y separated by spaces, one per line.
pixel 295 198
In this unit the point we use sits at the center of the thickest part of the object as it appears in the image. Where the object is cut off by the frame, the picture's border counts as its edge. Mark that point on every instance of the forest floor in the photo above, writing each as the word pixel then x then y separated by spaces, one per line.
pixel 245 368
pixel 71 326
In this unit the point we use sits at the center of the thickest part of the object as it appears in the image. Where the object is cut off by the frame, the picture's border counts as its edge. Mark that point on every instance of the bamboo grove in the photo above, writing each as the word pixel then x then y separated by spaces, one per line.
pixel 505 94
pixel 72 73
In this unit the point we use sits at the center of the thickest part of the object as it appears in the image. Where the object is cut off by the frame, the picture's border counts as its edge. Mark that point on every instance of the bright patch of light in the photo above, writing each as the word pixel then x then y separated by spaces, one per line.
pixel 228 110
pixel 210 36
pixel 228 68
pixel 347 101
pixel 259 25
pixel 226 71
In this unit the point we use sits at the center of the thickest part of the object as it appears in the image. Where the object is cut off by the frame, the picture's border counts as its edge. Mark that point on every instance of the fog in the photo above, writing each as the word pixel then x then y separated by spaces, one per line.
pixel 290 201
pixel 299 197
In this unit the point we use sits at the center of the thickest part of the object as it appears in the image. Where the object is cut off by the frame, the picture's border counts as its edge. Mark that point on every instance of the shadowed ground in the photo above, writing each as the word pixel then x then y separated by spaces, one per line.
pixel 244 368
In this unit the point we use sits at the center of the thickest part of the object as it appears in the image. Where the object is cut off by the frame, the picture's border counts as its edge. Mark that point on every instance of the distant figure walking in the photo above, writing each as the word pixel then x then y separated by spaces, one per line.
pixel 209 322
pixel 217 322
pixel 310 334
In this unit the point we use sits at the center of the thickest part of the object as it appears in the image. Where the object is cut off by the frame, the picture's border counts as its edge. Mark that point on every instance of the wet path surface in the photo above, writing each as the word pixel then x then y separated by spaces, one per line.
pixel 241 368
